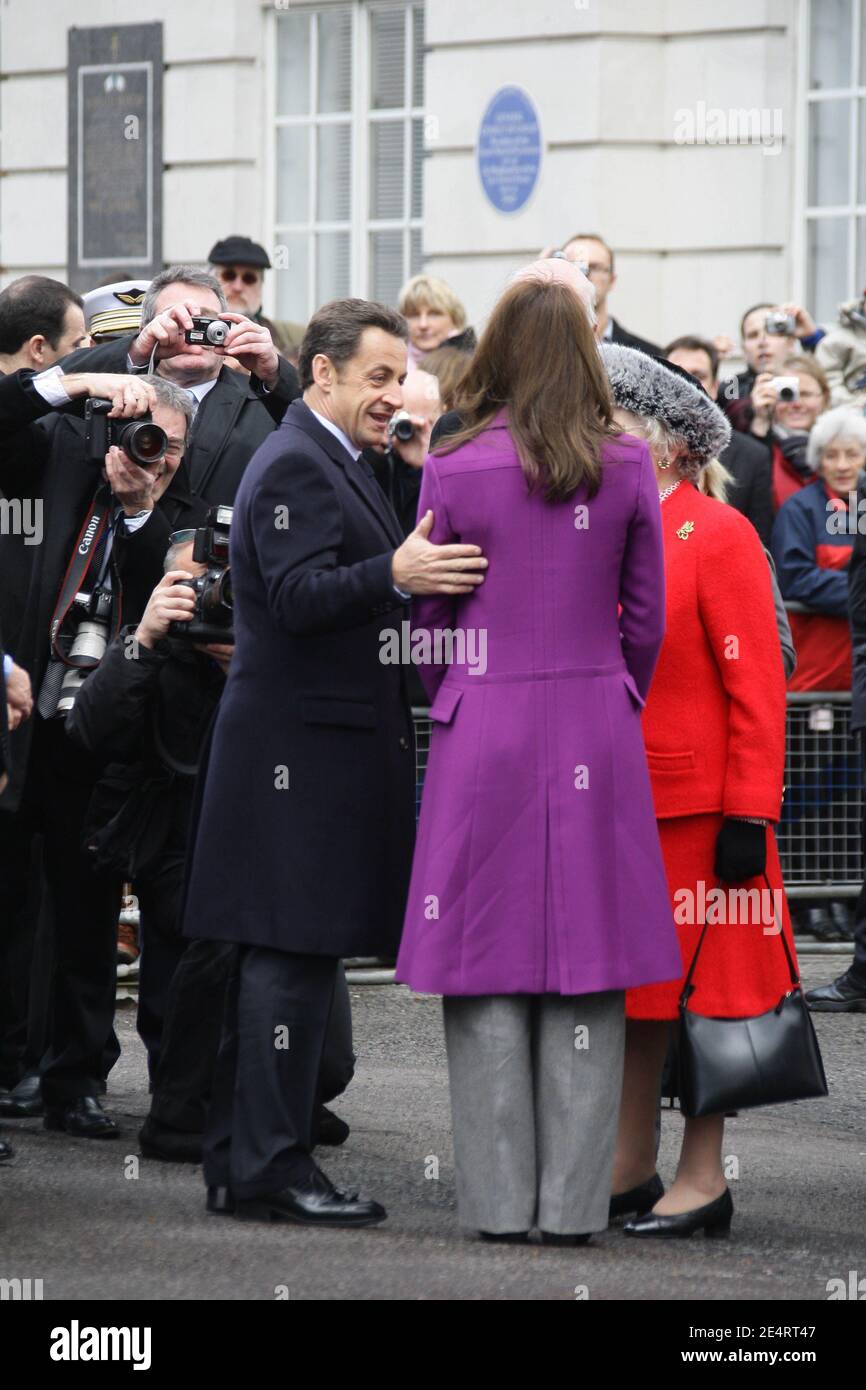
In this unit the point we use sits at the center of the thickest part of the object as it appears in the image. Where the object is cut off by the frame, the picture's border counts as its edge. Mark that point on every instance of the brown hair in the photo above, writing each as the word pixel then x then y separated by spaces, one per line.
pixel 800 362
pixel 448 365
pixel 538 357
pixel 336 329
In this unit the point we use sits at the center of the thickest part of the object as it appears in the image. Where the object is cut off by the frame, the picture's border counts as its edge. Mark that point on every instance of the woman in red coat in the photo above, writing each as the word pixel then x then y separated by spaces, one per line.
pixel 714 731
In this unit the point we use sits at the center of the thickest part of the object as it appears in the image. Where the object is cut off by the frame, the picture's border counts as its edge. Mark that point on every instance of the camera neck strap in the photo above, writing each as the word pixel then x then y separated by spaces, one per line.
pixel 89 545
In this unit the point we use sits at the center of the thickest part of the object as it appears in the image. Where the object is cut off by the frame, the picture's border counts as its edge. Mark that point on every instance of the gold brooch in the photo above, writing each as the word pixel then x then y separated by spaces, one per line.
pixel 686 530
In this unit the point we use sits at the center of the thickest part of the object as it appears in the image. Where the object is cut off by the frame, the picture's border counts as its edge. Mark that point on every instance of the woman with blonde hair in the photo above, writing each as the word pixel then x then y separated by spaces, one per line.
pixel 537 836
pixel 435 316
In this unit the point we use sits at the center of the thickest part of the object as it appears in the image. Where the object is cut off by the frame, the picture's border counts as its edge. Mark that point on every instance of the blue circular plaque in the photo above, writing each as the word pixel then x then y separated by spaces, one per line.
pixel 509 150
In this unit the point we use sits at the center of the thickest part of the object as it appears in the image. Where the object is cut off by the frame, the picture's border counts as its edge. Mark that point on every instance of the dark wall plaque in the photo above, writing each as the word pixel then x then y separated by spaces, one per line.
pixel 115 153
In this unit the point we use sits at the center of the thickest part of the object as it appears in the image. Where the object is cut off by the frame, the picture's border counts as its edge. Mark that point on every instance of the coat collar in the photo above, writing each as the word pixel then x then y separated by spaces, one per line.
pixel 359 473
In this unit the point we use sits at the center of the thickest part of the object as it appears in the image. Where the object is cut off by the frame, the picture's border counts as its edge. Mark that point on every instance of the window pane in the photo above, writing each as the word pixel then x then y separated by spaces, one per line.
pixel 386 265
pixel 335 60
pixel 860 282
pixel 828 152
pixel 334 173
pixel 418 55
pixel 417 168
pixel 830 43
pixel 387 58
pixel 332 267
pixel 386 169
pixel 861 142
pixel 293 65
pixel 290 275
pixel 827 266
pixel 293 173
pixel 416 256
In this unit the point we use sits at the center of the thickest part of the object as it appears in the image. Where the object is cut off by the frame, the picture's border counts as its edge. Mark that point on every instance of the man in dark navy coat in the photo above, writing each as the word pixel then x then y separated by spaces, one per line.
pixel 305 825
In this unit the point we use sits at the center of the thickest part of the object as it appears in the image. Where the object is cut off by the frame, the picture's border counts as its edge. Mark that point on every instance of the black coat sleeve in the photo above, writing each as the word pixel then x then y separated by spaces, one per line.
pixel 280 398
pixel 111 711
pixel 107 357
pixel 307 590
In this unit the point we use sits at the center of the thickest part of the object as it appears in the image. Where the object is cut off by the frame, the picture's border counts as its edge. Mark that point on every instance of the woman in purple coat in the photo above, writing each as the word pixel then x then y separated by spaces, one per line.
pixel 538 893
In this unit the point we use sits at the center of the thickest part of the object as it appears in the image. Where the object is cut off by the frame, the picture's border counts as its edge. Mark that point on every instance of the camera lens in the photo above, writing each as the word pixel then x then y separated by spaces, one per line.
pixel 217 332
pixel 146 443
pixel 786 394
pixel 404 430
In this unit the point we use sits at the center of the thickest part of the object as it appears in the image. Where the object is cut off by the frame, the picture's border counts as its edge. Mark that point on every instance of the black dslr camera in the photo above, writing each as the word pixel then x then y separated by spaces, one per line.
pixel 212 618
pixel 140 438
pixel 206 332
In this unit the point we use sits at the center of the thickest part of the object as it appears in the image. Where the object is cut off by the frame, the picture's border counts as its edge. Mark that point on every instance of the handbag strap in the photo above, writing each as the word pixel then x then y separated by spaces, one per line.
pixel 689 989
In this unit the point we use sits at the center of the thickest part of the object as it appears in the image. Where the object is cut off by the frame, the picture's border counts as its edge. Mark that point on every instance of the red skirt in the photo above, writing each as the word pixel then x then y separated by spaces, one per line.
pixel 741 971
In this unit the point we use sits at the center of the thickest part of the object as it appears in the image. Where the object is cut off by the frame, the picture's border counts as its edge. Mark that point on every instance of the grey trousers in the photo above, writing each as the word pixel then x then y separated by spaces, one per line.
pixel 536 1082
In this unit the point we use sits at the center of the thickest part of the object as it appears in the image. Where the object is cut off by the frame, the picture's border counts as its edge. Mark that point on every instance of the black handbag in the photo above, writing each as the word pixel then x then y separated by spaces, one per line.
pixel 738 1063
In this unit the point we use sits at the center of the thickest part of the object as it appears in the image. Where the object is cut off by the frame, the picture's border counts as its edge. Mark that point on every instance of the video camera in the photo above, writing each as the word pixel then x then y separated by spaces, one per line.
pixel 212 618
pixel 400 427
pixel 144 442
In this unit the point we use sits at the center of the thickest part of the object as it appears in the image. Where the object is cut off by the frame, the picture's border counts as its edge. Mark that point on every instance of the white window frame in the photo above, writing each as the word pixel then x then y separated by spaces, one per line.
pixel 851 210
pixel 359 224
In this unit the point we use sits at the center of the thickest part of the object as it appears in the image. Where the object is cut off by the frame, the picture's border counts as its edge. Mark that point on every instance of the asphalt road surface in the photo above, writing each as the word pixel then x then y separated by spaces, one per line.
pixel 94 1223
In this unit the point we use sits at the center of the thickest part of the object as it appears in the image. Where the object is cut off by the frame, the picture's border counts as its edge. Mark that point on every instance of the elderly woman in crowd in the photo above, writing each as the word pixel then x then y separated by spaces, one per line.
pixel 538 893
pixel 435 316
pixel 714 729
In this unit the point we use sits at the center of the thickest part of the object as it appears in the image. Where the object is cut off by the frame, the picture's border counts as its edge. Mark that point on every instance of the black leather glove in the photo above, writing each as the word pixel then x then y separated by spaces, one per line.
pixel 741 850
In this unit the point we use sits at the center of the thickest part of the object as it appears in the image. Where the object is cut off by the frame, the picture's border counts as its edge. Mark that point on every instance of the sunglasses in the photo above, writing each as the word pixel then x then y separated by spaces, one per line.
pixel 249 277
pixel 182 537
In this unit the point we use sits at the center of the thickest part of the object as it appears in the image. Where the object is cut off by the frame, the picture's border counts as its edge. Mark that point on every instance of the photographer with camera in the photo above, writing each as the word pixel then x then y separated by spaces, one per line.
pixel 842 354
pixel 186 338
pixel 96 482
pixel 785 407
pixel 770 333
pixel 147 709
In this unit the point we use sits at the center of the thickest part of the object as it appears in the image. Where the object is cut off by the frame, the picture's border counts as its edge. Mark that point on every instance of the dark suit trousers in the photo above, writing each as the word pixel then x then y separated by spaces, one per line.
pixel 857 969
pixel 258 1136
pixel 84 907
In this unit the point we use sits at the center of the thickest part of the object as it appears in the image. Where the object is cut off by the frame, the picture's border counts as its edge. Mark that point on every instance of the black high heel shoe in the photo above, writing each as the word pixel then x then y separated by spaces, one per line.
pixel 714 1219
pixel 637 1199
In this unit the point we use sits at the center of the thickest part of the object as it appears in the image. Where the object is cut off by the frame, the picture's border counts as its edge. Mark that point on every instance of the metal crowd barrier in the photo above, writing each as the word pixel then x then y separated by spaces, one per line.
pixel 820 834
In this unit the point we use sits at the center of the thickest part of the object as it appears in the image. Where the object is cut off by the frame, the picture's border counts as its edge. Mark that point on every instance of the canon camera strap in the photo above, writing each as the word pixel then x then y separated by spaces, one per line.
pixel 89 546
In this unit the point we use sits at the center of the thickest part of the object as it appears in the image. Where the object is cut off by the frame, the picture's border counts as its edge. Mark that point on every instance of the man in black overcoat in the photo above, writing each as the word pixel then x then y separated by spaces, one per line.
pixel 305 827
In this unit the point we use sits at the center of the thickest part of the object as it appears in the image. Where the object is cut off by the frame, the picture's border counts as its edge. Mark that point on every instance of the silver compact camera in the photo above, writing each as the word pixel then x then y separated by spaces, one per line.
pixel 787 388
pixel 781 325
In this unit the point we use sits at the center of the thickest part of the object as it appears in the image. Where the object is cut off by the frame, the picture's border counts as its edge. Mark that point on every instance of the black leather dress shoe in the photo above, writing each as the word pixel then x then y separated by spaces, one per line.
pixel 638 1199
pixel 6 1150
pixel 714 1219
pixel 312 1201
pixel 328 1128
pixel 84 1118
pixel 841 996
pixel 24 1101
pixel 220 1201
pixel 554 1238
pixel 506 1237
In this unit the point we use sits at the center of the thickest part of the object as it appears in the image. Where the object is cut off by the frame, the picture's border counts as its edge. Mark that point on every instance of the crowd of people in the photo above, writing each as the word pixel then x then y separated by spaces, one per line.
pixel 227 748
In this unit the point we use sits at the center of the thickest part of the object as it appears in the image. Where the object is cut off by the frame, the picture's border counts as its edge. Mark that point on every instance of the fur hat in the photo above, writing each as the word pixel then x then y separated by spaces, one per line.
pixel 656 390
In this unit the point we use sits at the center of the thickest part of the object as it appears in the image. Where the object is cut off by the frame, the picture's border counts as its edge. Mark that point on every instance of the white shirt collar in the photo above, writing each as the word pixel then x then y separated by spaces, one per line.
pixel 338 434
pixel 201 388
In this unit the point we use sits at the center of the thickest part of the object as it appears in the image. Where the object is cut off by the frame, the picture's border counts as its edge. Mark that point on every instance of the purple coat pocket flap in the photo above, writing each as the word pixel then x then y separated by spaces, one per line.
pixel 447 699
pixel 633 690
